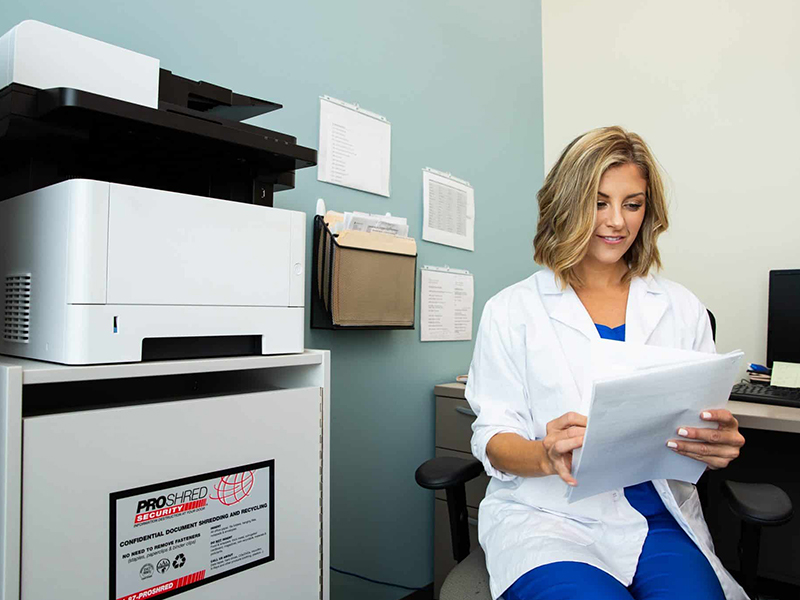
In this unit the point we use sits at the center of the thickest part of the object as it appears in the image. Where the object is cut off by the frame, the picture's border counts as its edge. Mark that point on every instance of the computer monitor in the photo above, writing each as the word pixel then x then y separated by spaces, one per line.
pixel 783 320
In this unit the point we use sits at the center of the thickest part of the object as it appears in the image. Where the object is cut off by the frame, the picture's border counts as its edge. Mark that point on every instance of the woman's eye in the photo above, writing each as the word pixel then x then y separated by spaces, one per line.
pixel 601 204
pixel 634 206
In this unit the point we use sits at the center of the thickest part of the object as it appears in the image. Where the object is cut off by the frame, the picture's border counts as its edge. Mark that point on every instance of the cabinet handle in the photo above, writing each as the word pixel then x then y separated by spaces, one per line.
pixel 466 411
pixel 473 522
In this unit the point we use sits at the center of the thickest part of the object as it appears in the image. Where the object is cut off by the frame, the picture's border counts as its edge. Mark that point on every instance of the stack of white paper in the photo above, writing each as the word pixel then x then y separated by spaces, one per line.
pixel 638 398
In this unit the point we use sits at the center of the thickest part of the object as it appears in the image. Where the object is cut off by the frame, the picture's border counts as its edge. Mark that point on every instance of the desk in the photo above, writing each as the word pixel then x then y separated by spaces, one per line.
pixel 771 446
pixel 766 416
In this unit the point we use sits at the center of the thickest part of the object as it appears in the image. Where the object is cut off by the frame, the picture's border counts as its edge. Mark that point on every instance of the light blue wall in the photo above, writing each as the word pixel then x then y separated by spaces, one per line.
pixel 461 84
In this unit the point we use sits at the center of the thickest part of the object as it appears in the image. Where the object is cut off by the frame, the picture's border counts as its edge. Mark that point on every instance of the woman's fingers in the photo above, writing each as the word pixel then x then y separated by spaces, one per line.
pixel 563 468
pixel 715 461
pixel 729 437
pixel 722 416
pixel 715 456
pixel 568 444
pixel 567 420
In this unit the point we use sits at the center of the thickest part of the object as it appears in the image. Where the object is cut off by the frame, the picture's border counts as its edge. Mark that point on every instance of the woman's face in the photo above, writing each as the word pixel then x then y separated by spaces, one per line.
pixel 620 212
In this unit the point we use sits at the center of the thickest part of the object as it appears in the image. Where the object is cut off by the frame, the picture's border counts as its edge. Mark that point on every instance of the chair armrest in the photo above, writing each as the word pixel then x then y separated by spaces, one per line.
pixel 446 471
pixel 451 474
pixel 759 503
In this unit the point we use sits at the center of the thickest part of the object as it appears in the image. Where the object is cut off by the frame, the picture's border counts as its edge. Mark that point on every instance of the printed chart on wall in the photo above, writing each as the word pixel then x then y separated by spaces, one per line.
pixel 355 147
pixel 448 210
pixel 446 304
pixel 174 536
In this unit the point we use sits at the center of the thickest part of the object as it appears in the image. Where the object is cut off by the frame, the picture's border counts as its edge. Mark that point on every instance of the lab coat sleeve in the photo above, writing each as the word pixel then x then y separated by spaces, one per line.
pixel 496 383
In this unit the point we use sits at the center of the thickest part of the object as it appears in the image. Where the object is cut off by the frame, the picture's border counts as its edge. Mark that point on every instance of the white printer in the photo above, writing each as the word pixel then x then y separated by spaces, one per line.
pixel 93 271
pixel 136 217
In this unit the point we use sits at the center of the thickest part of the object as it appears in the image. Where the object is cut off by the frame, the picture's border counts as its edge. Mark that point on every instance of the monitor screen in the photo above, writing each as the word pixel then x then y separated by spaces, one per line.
pixel 783 320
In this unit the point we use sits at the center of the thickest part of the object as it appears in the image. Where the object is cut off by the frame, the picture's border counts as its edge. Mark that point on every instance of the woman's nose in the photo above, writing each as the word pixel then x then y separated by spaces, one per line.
pixel 614 217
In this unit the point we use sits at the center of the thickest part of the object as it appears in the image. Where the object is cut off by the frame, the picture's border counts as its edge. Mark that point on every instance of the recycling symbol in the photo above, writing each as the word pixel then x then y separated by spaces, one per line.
pixel 179 561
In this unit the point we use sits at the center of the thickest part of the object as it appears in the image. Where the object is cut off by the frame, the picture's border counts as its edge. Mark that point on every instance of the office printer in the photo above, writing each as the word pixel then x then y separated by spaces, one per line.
pixel 136 217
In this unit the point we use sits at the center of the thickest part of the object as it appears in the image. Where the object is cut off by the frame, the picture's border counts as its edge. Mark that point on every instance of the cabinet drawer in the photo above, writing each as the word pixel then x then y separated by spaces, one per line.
pixel 476 489
pixel 443 561
pixel 453 424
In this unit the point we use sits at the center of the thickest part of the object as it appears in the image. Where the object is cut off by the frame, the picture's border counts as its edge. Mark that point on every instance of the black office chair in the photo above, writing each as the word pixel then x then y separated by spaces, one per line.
pixel 756 504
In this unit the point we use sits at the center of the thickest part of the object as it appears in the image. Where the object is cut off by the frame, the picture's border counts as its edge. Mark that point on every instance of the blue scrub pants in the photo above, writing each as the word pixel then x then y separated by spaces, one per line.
pixel 670 567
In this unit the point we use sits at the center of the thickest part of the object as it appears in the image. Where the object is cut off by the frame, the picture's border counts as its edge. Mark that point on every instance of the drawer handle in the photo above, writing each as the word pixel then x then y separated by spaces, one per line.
pixel 473 522
pixel 466 411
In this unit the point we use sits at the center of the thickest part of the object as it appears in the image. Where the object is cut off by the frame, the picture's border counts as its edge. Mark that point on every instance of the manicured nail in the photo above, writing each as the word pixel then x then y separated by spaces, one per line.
pixel 672 444
pixel 683 432
pixel 706 415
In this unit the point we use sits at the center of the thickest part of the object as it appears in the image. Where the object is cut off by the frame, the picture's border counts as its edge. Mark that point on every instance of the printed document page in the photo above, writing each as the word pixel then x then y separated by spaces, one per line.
pixel 354 147
pixel 638 398
pixel 446 305
pixel 448 211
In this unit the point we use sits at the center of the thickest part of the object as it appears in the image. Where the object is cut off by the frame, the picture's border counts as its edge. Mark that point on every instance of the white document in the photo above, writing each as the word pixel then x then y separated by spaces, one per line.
pixel 446 304
pixel 448 210
pixel 638 398
pixel 355 147
pixel 376 223
pixel 785 374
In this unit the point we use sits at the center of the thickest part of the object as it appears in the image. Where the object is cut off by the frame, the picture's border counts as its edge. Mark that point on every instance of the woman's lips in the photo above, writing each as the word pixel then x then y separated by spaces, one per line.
pixel 612 239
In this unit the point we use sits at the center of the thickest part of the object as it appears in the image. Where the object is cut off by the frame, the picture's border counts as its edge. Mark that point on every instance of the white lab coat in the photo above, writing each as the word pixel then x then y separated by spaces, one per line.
pixel 530 356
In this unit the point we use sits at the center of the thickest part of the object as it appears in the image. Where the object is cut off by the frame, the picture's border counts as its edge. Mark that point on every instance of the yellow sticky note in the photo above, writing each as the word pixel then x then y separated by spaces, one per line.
pixel 785 374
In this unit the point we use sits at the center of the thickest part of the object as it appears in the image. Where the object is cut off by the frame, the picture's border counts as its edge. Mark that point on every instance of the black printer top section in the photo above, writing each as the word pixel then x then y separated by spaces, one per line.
pixel 193 144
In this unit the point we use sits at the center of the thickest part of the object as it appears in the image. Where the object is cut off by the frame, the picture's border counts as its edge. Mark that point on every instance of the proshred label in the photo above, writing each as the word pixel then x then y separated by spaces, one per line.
pixel 174 536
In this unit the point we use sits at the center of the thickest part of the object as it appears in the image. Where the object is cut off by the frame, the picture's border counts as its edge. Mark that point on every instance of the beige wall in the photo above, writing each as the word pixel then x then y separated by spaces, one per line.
pixel 714 87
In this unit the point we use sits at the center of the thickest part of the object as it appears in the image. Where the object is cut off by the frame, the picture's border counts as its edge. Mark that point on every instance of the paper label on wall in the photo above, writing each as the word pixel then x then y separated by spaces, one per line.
pixel 785 374
pixel 355 147
pixel 446 305
pixel 448 211
pixel 177 535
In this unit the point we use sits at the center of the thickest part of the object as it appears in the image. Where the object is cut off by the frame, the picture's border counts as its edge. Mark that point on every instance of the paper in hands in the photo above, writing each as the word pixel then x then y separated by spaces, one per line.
pixel 638 397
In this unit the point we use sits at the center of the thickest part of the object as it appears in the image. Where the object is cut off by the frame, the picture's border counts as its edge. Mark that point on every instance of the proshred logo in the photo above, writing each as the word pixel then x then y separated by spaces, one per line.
pixel 170 504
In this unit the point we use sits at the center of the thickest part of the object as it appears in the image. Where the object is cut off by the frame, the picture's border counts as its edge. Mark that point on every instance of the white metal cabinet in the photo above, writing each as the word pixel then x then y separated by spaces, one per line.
pixel 67 457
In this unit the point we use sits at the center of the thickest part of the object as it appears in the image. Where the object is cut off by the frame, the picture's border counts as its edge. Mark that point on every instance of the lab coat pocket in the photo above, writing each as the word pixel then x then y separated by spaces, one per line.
pixel 578 529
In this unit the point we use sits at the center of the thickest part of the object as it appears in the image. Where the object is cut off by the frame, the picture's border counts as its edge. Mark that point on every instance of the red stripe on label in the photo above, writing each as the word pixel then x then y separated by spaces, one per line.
pixel 163 588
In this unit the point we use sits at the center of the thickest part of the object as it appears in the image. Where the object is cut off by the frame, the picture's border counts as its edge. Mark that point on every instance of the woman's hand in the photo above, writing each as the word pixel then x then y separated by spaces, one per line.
pixel 564 435
pixel 715 447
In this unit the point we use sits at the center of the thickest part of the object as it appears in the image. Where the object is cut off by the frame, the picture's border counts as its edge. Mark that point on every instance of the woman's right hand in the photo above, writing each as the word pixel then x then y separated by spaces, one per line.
pixel 564 435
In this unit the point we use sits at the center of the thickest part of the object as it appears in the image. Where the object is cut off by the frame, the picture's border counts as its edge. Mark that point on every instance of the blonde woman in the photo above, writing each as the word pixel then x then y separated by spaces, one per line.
pixel 601 210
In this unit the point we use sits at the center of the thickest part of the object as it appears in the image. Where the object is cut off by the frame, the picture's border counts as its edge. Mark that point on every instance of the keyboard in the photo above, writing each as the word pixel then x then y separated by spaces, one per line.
pixel 766 394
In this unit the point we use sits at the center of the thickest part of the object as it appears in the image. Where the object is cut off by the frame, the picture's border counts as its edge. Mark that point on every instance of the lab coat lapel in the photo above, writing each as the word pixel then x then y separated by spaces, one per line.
pixel 647 304
pixel 570 311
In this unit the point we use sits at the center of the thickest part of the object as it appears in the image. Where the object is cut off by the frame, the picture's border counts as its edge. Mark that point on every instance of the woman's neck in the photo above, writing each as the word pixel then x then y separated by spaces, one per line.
pixel 601 276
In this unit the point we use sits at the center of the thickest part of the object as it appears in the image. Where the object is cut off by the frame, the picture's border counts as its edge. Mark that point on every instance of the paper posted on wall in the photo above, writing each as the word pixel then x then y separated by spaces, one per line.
pixel 355 147
pixel 638 396
pixel 448 210
pixel 446 304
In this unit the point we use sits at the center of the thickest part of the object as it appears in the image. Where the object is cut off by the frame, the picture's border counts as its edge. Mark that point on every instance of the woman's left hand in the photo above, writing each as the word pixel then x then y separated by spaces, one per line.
pixel 715 447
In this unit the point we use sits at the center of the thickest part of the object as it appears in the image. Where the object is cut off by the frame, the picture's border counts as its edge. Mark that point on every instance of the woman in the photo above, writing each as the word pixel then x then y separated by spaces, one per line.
pixel 601 210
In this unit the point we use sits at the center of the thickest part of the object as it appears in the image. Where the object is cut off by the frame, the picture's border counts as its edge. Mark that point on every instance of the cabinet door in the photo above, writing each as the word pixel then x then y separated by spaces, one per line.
pixel 73 462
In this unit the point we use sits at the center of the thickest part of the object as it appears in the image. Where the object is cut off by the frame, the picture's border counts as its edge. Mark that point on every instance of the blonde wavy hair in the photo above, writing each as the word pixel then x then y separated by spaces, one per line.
pixel 568 203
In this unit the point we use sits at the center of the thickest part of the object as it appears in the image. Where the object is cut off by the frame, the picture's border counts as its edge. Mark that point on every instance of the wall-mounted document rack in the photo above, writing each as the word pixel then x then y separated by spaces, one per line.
pixel 362 280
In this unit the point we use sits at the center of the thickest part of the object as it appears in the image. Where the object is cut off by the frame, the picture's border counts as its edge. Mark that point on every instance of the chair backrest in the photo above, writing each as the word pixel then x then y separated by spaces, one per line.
pixel 713 325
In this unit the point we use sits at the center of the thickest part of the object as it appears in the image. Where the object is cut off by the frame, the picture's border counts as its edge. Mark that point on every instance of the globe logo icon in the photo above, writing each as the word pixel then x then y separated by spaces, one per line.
pixel 232 489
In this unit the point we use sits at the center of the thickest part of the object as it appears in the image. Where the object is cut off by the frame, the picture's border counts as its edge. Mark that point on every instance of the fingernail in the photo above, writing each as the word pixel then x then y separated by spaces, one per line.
pixel 683 432
pixel 672 444
pixel 706 415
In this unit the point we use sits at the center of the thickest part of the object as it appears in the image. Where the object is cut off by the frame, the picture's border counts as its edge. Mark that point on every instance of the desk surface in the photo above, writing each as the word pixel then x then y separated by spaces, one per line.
pixel 750 415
